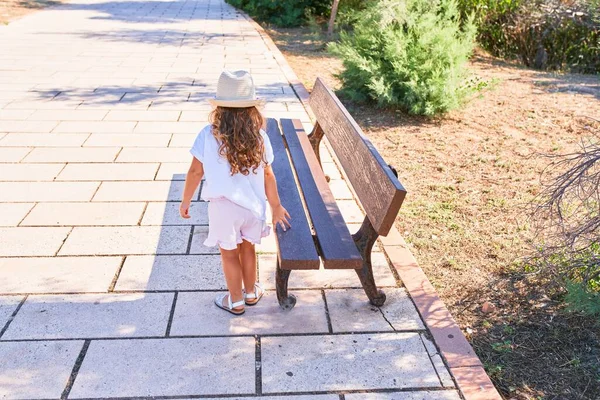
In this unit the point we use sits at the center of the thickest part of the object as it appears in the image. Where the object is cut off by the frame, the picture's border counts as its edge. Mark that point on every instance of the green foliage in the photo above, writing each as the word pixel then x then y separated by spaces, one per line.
pixel 546 34
pixel 576 271
pixel 409 54
pixel 284 13
pixel 582 299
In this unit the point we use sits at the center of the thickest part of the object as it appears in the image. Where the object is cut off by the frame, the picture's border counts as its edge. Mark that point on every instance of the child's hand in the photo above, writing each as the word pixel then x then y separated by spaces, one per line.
pixel 184 209
pixel 279 217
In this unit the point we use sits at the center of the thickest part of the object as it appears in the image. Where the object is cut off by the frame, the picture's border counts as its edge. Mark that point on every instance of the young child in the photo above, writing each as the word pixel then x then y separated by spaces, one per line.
pixel 234 154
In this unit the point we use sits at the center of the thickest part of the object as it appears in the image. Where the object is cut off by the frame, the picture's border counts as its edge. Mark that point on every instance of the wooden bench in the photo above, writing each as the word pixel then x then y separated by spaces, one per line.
pixel 319 231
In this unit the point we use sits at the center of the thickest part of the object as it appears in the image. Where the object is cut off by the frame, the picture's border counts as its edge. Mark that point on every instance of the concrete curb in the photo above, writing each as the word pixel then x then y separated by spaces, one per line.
pixel 464 365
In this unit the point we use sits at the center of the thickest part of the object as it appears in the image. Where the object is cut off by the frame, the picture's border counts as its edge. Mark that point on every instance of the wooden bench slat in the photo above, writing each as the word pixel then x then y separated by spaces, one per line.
pixel 296 247
pixel 377 188
pixel 337 247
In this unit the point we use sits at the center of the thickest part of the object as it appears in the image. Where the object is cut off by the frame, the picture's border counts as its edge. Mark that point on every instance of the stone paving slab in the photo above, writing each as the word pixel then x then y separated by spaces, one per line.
pixel 179 367
pixel 124 115
pixel 126 140
pixel 141 191
pixel 198 238
pixel 71 115
pixel 13 213
pixel 126 240
pixel 95 126
pixel 14 114
pixel 138 154
pixel 18 241
pixel 183 140
pixel 44 139
pixel 350 311
pixel 193 310
pixel 85 214
pixel 421 395
pixel 173 171
pixel 36 370
pixel 57 275
pixel 108 172
pixel 91 316
pixel 30 172
pixel 18 192
pixel 437 361
pixel 72 154
pixel 345 362
pixel 171 273
pixel 27 126
pixel 324 278
pixel 13 154
pixel 168 214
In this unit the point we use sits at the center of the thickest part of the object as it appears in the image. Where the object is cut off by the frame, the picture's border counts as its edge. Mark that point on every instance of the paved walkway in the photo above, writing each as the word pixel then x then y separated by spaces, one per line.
pixel 104 291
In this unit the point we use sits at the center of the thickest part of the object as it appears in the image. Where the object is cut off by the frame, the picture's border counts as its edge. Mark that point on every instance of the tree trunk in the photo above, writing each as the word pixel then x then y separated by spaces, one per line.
pixel 334 9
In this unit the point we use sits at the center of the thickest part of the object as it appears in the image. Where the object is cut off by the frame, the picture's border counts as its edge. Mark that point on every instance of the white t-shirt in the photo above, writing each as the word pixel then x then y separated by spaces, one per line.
pixel 246 191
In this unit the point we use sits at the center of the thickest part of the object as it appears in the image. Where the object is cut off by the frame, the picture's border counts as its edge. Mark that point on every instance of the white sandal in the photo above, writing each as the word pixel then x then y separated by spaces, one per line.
pixel 230 306
pixel 253 298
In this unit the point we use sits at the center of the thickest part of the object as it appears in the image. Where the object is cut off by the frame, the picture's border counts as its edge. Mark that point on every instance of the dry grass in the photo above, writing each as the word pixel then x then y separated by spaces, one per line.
pixel 11 10
pixel 470 177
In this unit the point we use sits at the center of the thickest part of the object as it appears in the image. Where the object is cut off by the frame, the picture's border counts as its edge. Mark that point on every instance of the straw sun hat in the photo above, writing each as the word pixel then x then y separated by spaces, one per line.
pixel 235 89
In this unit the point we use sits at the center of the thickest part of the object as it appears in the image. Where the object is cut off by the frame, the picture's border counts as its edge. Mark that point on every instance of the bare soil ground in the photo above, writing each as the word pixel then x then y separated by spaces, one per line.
pixel 470 177
pixel 11 10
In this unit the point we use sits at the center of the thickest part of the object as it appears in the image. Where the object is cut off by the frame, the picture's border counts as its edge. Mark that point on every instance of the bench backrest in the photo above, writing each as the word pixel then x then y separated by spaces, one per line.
pixel 378 189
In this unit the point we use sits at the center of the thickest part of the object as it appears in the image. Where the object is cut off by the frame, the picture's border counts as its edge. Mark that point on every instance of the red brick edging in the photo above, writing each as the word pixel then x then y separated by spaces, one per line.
pixel 464 365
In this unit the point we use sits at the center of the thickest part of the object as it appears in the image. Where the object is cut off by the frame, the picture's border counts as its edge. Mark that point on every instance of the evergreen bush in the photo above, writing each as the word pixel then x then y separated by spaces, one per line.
pixel 545 34
pixel 284 13
pixel 409 54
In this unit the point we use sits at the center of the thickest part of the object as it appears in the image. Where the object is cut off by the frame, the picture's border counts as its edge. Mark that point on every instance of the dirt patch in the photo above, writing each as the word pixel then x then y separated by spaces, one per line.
pixel 470 177
pixel 11 10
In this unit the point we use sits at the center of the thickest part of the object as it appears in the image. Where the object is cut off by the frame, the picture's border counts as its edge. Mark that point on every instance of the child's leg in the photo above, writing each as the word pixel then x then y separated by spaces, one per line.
pixel 248 261
pixel 233 274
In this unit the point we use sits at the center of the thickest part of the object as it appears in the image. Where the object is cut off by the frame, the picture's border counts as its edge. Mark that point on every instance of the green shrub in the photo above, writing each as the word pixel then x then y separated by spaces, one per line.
pixel 284 13
pixel 581 299
pixel 545 34
pixel 409 54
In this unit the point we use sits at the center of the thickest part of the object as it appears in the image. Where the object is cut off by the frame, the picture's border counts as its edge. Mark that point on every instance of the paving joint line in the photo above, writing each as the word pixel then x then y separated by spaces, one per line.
pixel 75 370
pixel 247 335
pixel 171 315
pixel 190 240
pixel 12 317
pixel 258 365
pixel 139 223
pixel 327 315
pixel 283 394
pixel 113 283
pixel 59 172
pixel 146 291
pixel 95 192
pixel 63 242
pixel 26 215
pixel 387 320
pixel 431 360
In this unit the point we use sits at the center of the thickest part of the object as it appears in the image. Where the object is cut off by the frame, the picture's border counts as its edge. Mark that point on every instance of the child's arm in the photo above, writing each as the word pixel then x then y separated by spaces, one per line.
pixel 192 180
pixel 279 213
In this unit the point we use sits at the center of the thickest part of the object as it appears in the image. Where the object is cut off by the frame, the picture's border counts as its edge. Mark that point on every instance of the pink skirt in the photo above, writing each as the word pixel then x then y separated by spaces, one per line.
pixel 230 224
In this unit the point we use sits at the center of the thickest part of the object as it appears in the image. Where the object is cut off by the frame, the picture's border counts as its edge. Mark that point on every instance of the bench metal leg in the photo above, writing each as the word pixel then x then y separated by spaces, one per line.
pixel 286 301
pixel 365 239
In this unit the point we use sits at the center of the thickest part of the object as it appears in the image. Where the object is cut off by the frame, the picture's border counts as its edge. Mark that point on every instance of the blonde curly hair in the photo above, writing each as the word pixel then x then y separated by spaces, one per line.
pixel 238 132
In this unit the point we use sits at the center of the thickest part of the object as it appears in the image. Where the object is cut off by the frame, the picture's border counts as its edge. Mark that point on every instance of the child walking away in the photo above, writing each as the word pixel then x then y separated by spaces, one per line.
pixel 234 155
